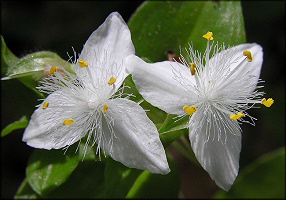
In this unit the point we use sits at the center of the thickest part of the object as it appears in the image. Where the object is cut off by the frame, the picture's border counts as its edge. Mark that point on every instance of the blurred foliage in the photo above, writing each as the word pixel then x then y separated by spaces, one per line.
pixel 174 24
pixel 263 178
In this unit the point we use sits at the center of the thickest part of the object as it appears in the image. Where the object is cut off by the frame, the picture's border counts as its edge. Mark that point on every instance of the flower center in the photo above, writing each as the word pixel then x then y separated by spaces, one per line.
pixel 93 103
pixel 212 95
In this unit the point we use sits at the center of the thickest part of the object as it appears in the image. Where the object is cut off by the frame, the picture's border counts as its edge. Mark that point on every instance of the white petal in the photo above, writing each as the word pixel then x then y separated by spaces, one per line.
pixel 159 83
pixel 254 67
pixel 216 147
pixel 248 71
pixel 132 138
pixel 46 130
pixel 105 49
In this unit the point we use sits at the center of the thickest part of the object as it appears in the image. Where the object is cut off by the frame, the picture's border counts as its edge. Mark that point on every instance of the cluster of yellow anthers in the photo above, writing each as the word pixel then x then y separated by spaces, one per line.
pixel 68 121
pixel 236 117
pixel 53 70
pixel 191 109
pixel 208 36
pixel 192 68
pixel 267 102
pixel 82 64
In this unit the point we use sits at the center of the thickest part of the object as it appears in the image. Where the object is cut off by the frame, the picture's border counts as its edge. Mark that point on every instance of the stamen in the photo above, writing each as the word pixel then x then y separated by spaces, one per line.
pixel 208 36
pixel 111 80
pixel 189 110
pixel 82 63
pixel 104 108
pixel 192 68
pixel 68 121
pixel 267 103
pixel 45 105
pixel 53 70
pixel 237 116
pixel 248 54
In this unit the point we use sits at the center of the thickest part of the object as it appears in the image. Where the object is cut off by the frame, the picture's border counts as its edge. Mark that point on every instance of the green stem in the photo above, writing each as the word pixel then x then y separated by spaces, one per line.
pixel 186 150
pixel 138 184
pixel 186 143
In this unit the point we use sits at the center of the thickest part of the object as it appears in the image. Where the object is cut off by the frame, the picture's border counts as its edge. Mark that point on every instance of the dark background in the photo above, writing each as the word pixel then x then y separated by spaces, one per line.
pixel 59 25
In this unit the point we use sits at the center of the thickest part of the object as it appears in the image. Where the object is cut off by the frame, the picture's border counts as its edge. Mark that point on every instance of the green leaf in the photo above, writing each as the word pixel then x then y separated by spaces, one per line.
pixel 25 191
pixel 155 114
pixel 129 88
pixel 48 169
pixel 118 179
pixel 149 185
pixel 159 26
pixel 21 123
pixel 173 123
pixel 86 181
pixel 172 129
pixel 86 151
pixel 264 178
pixel 63 178
pixel 7 57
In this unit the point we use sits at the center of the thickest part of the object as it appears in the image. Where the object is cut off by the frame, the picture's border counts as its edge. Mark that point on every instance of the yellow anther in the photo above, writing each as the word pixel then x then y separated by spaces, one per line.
pixel 192 68
pixel 82 63
pixel 68 121
pixel 53 70
pixel 111 80
pixel 208 36
pixel 189 110
pixel 248 54
pixel 267 103
pixel 45 105
pixel 236 117
pixel 104 108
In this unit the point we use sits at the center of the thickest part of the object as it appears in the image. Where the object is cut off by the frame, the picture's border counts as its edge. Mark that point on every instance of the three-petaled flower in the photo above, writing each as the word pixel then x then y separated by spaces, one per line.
pixel 215 91
pixel 90 102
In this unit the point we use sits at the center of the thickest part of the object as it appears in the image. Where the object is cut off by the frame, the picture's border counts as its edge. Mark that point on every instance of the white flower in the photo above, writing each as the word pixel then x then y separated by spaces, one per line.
pixel 216 92
pixel 87 104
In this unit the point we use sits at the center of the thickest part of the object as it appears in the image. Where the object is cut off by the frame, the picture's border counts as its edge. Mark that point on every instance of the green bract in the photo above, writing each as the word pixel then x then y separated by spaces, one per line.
pixel 36 65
